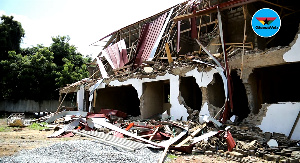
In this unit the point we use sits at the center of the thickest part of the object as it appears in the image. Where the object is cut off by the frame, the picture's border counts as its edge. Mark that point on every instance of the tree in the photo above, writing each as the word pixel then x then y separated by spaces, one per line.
pixel 30 76
pixel 38 72
pixel 11 34
pixel 71 66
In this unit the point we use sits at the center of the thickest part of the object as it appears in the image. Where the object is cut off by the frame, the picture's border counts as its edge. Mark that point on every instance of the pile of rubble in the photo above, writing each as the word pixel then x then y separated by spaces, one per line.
pixel 116 128
pixel 82 151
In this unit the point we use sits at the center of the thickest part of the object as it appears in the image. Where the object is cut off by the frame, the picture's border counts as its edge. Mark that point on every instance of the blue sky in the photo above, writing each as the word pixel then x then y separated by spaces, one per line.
pixel 84 21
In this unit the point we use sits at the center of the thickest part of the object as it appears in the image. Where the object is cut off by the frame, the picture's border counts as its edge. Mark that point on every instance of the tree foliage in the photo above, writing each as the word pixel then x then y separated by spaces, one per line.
pixel 11 34
pixel 36 73
pixel 71 66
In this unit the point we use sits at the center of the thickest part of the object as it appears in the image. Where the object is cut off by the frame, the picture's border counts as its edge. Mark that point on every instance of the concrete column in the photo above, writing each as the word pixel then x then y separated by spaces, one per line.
pixel 177 110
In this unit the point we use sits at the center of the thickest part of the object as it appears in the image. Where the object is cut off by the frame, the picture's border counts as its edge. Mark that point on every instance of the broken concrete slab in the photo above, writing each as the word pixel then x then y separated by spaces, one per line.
pixel 64 113
pixel 275 122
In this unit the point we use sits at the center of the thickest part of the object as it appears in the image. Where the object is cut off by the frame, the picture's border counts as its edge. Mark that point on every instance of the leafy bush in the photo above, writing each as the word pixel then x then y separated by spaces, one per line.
pixel 170 156
pixel 38 126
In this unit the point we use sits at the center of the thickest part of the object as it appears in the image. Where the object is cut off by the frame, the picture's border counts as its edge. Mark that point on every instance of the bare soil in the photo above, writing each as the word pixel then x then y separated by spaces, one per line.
pixel 14 139
pixel 200 159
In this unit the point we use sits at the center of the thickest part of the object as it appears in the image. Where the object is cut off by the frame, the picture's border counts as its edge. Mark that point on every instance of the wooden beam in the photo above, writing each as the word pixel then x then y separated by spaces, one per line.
pixel 246 43
pixel 170 60
pixel 277 5
pixel 203 25
pixel 165 151
pixel 58 108
pixel 110 40
pixel 154 133
pixel 212 9
pixel 201 127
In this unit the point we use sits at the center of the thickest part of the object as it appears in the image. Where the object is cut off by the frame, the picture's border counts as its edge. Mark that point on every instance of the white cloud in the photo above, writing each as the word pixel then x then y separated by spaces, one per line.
pixel 2 12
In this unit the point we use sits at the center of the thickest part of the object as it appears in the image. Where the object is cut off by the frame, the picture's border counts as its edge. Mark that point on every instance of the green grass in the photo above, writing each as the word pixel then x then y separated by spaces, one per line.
pixel 5 129
pixel 38 126
pixel 66 139
pixel 170 156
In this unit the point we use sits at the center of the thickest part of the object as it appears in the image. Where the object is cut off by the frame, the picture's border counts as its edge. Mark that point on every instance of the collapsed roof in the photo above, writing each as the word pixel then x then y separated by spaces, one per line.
pixel 172 34
pixel 200 35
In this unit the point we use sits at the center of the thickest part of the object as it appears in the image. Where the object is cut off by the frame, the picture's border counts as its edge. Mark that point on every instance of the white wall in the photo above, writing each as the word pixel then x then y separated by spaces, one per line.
pixel 280 118
pixel 293 54
pixel 80 98
pixel 177 110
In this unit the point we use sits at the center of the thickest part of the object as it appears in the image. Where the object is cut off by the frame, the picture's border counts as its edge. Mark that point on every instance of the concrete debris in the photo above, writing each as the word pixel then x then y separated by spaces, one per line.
pixel 179 137
pixel 17 120
pixel 272 143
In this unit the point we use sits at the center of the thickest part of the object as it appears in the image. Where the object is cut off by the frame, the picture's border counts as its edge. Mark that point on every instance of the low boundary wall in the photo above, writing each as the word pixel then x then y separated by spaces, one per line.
pixel 31 106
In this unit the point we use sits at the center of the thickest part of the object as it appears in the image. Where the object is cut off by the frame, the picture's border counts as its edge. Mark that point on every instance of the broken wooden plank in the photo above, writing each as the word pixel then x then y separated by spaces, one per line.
pixel 191 136
pixel 58 108
pixel 170 60
pixel 154 133
pixel 208 53
pixel 236 46
pixel 246 43
pixel 204 136
pixel 165 151
pixel 199 26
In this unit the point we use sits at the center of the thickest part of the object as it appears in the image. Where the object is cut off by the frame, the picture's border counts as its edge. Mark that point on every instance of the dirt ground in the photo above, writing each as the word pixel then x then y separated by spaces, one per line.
pixel 14 139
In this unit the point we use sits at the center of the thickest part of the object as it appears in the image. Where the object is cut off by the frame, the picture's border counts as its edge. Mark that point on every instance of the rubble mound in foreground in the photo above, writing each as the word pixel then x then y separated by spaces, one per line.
pixel 82 151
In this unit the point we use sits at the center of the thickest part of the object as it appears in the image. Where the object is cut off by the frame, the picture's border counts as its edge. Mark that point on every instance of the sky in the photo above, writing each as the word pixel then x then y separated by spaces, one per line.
pixel 84 21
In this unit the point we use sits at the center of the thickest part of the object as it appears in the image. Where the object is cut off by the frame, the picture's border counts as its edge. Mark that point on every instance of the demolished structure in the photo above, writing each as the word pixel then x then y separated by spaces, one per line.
pixel 174 62
pixel 195 60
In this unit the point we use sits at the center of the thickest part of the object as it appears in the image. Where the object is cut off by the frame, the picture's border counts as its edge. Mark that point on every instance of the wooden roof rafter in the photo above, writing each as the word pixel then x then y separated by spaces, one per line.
pixel 143 20
pixel 213 8
pixel 167 38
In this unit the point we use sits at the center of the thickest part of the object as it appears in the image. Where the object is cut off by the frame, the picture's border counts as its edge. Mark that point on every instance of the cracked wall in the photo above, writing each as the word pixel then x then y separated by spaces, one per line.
pixel 215 94
pixel 270 119
pixel 275 122
pixel 160 93
pixel 191 97
pixel 271 86
pixel 268 71
pixel 153 99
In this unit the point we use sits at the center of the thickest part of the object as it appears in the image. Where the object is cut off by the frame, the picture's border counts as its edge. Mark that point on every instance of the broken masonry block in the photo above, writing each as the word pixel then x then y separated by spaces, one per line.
pixel 209 153
pixel 251 152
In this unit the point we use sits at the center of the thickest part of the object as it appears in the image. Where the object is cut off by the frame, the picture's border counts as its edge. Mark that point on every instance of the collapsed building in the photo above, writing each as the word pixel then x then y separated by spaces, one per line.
pixel 200 58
